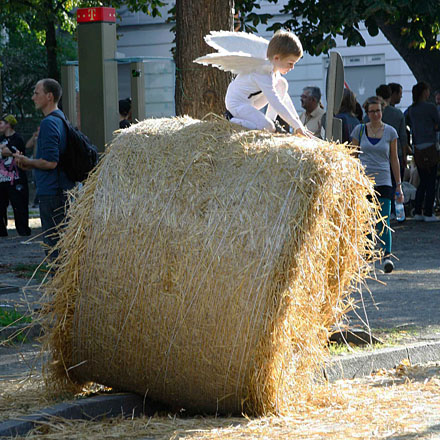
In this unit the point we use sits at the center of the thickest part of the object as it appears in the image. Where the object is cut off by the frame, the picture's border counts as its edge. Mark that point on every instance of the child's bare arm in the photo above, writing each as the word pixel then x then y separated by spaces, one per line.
pixel 279 101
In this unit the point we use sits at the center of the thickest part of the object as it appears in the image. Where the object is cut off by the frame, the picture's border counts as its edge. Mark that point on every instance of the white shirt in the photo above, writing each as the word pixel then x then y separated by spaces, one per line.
pixel 313 120
pixel 244 91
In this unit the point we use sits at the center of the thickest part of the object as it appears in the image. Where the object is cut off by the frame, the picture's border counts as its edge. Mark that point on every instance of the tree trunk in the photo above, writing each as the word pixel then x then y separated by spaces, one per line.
pixel 51 50
pixel 420 61
pixel 200 89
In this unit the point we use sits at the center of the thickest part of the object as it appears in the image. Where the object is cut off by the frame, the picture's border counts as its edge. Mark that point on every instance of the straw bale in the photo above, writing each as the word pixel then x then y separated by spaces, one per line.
pixel 203 265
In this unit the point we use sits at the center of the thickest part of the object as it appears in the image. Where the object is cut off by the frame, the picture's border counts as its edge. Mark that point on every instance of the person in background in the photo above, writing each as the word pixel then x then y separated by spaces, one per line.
pixel 31 144
pixel 347 113
pixel 52 182
pixel 359 112
pixel 31 149
pixel 378 147
pixel 423 119
pixel 437 103
pixel 312 116
pixel 396 94
pixel 13 181
pixel 437 99
pixel 394 117
pixel 124 113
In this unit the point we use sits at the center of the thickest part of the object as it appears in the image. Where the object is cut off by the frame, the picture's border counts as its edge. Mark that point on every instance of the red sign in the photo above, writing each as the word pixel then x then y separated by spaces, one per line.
pixel 91 15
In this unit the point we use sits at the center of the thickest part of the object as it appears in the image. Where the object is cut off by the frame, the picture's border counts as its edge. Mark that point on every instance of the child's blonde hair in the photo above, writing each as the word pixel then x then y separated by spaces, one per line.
pixel 284 43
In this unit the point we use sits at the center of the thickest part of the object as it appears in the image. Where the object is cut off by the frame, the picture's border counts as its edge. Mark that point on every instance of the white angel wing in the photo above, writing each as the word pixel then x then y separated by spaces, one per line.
pixel 238 52
pixel 235 62
pixel 225 41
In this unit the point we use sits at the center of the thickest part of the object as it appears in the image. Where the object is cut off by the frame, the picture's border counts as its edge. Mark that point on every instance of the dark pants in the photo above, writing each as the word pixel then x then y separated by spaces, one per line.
pixel 52 213
pixel 18 196
pixel 426 191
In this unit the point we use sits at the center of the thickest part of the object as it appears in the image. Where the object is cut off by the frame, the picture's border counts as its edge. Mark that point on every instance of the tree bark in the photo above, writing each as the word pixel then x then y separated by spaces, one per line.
pixel 199 89
pixel 421 62
pixel 51 50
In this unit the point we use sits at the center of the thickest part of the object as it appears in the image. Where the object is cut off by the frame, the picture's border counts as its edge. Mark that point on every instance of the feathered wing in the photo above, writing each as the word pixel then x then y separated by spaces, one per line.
pixel 225 41
pixel 238 52
pixel 235 62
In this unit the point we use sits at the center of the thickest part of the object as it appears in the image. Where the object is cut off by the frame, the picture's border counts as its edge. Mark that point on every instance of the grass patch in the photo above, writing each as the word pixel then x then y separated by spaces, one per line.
pixel 390 337
pixel 12 317
pixel 38 271
pixel 341 349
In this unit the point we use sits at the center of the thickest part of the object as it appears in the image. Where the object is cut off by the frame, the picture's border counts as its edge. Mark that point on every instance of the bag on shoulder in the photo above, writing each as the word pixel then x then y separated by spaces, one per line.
pixel 361 132
pixel 426 158
pixel 80 155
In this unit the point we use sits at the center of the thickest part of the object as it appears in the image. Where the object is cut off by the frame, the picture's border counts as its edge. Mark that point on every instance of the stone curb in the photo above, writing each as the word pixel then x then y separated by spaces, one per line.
pixel 347 367
pixel 364 364
pixel 97 407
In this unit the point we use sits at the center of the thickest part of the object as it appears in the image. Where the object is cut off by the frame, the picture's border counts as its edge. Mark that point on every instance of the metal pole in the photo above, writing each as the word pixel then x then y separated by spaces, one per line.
pixel 98 74
pixel 68 83
pixel 331 89
pixel 137 91
pixel 335 89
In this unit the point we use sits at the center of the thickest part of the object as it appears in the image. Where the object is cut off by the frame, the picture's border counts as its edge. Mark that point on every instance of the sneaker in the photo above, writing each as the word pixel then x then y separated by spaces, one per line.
pixel 388 265
pixel 419 217
pixel 431 218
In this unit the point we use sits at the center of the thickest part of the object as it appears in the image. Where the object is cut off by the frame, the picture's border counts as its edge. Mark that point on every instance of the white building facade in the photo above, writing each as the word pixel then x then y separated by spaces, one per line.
pixel 141 35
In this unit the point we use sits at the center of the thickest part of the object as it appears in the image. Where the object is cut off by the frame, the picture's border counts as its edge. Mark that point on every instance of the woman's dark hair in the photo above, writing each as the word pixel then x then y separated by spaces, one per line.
pixel 359 112
pixel 373 100
pixel 124 106
pixel 418 89
pixel 384 91
pixel 348 103
pixel 395 87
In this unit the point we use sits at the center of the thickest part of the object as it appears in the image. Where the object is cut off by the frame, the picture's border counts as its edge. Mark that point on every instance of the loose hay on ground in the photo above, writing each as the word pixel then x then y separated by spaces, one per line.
pixel 19 397
pixel 204 264
pixel 402 403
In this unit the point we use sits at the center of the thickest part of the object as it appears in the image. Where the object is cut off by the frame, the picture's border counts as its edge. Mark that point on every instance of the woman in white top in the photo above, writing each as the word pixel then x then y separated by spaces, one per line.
pixel 378 148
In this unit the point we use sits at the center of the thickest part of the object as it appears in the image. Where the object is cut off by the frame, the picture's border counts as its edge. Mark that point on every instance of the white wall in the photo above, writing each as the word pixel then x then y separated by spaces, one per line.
pixel 143 35
pixel 140 34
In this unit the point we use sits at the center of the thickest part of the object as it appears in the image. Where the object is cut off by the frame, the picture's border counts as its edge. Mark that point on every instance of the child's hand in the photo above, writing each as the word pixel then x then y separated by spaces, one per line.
pixel 304 132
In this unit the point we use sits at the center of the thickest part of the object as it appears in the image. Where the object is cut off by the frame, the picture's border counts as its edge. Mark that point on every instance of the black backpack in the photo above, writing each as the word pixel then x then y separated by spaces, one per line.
pixel 80 155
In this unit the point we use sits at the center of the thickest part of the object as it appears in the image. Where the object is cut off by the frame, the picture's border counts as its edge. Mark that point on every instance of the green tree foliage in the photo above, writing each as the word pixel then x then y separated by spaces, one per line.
pixel 23 63
pixel 248 16
pixel 46 18
pixel 20 71
pixel 411 26
pixel 36 37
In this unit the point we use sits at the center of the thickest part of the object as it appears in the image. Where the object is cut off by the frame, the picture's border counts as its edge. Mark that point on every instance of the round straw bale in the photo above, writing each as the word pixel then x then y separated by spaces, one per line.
pixel 203 265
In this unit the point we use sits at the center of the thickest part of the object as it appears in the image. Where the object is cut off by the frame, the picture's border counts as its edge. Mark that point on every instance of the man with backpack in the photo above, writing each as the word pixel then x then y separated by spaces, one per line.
pixel 51 180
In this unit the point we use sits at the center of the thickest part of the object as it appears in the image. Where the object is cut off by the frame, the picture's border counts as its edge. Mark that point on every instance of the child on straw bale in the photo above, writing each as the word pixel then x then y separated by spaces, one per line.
pixel 259 65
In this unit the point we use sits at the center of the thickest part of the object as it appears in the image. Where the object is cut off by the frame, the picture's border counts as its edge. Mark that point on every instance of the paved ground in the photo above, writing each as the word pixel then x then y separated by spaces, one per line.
pixel 410 295
pixel 16 250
